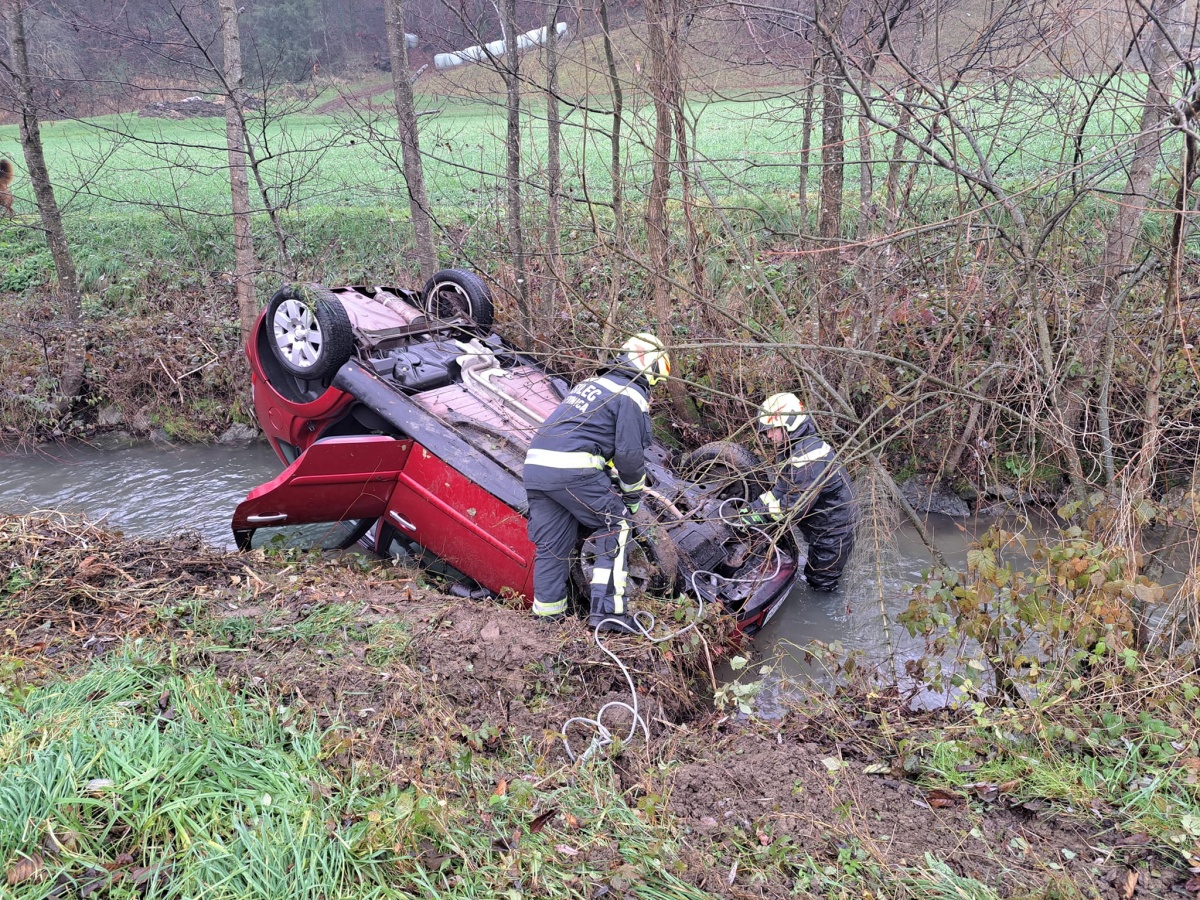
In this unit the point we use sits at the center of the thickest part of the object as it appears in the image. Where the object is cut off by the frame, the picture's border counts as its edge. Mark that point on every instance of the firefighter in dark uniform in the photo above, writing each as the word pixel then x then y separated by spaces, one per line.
pixel 812 492
pixel 586 466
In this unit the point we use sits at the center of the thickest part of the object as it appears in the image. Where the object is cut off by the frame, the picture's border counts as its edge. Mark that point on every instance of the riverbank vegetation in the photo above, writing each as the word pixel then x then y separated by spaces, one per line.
pixel 178 719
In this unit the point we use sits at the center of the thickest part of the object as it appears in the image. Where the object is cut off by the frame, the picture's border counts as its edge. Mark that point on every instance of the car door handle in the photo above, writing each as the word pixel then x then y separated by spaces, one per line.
pixel 401 521
pixel 269 517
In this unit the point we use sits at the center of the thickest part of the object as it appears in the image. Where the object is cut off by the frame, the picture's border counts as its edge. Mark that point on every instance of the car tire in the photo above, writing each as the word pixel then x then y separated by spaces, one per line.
pixel 308 331
pixel 653 560
pixel 453 293
pixel 726 470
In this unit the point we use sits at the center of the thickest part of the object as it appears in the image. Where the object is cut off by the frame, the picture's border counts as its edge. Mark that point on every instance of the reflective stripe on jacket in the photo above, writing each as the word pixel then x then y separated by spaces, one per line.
pixel 605 418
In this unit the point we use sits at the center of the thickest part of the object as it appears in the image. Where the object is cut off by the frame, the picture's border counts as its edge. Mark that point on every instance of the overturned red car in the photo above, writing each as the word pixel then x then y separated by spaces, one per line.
pixel 401 416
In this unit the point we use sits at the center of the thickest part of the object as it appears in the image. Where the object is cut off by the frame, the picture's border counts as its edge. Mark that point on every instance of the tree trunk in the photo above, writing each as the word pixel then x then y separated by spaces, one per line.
pixel 410 147
pixel 618 100
pixel 235 143
pixel 829 212
pixel 806 130
pixel 70 378
pixel 516 238
pixel 553 269
pixel 617 247
pixel 657 236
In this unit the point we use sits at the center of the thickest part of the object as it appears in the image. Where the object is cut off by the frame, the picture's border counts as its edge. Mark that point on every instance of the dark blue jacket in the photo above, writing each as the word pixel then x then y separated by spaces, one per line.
pixel 607 417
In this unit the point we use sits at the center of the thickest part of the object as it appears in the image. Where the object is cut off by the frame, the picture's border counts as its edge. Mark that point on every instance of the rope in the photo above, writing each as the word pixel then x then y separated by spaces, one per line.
pixel 644 622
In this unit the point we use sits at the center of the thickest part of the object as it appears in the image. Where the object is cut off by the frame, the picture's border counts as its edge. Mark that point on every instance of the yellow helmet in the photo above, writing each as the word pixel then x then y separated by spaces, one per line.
pixel 646 355
pixel 781 411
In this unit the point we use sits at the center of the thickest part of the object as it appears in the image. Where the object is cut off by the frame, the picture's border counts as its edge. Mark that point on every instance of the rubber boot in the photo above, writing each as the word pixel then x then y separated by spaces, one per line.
pixel 622 624
pixel 602 617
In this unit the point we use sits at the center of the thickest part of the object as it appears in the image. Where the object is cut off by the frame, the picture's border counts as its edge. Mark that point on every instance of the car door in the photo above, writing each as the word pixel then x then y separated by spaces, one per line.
pixel 337 479
pixel 461 522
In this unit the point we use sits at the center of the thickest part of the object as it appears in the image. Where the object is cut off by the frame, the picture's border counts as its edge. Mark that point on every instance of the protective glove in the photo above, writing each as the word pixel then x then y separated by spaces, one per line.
pixel 747 518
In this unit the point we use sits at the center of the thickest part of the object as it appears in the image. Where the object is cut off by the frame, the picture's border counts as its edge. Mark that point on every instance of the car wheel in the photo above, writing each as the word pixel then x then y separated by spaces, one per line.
pixel 652 557
pixel 308 331
pixel 453 293
pixel 726 470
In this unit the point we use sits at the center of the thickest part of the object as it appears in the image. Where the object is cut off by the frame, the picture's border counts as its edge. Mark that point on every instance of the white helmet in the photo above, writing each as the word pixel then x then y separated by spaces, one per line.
pixel 646 355
pixel 781 411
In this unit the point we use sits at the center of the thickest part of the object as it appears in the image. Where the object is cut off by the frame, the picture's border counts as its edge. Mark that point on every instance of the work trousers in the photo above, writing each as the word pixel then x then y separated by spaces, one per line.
pixel 827 556
pixel 559 503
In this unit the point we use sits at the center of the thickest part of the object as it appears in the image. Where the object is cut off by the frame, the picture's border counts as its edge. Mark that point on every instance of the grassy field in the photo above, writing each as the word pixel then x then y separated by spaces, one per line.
pixel 146 195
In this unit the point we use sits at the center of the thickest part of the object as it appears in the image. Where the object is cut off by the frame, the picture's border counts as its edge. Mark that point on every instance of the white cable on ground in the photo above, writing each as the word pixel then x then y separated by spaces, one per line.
pixel 644 622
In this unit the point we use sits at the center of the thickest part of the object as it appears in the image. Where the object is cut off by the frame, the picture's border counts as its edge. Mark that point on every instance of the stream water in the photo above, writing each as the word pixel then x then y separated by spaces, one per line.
pixel 154 491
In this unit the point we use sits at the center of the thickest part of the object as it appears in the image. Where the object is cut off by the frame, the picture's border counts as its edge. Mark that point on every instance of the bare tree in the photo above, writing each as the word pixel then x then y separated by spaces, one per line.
pixel 512 147
pixel 20 79
pixel 661 20
pixel 406 115
pixel 552 267
pixel 833 173
pixel 235 139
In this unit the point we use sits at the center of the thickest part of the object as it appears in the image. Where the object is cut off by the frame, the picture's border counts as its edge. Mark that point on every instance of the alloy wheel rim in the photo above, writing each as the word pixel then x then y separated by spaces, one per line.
pixel 297 334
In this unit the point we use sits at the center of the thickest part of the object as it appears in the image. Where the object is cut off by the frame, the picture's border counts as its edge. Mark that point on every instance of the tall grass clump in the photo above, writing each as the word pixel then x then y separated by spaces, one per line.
pixel 135 777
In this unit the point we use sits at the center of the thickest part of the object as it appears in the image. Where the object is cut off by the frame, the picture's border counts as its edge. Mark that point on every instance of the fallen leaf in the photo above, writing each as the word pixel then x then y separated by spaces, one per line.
pixel 157 874
pixel 1131 878
pixel 501 788
pixel 832 764
pixel 877 769
pixel 572 822
pixel 1135 839
pixel 984 790
pixel 566 850
pixel 27 868
pixel 431 859
pixel 540 822
pixel 1007 787
pixel 940 798
pixel 1193 885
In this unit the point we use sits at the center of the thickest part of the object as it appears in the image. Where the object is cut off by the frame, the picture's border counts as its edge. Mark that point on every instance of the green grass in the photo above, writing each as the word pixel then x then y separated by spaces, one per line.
pixel 151 195
pixel 1132 765
pixel 135 772
pixel 146 781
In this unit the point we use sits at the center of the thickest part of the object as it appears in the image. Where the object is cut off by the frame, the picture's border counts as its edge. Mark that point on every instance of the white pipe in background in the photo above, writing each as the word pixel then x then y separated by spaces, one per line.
pixel 525 41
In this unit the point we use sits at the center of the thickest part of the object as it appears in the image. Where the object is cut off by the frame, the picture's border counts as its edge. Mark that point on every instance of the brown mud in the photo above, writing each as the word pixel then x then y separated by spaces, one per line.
pixel 824 781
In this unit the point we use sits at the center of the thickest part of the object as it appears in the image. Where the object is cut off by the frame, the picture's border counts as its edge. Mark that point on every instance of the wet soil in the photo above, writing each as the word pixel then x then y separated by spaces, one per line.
pixel 823 781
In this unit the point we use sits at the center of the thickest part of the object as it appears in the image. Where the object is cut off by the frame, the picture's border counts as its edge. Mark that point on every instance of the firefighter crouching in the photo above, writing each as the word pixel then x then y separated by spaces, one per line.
pixel 812 492
pixel 604 421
